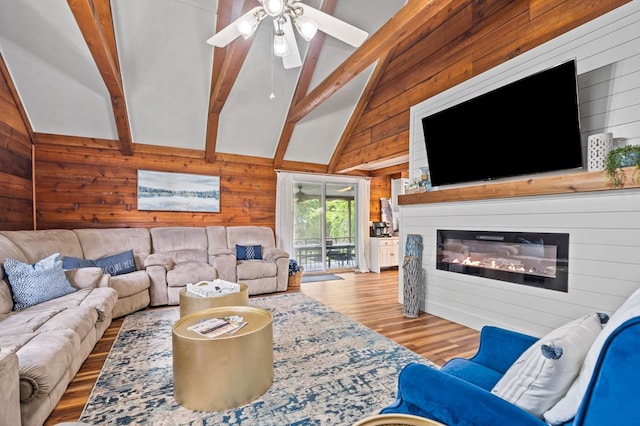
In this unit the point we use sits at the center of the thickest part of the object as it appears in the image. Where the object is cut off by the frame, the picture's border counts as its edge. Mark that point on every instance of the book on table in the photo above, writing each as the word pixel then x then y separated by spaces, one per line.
pixel 214 327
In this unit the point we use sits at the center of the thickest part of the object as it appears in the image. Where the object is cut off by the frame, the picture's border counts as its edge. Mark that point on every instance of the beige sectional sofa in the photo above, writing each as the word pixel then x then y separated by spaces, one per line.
pixel 51 340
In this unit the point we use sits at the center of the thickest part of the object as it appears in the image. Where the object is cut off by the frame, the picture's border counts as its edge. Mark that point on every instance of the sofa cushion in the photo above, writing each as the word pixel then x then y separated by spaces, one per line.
pixel 98 243
pixel 472 372
pixel 97 302
pixel 130 284
pixel 254 269
pixel 36 245
pixel 545 371
pixel 181 243
pixel 566 409
pixel 33 284
pixel 248 252
pixel 250 235
pixel 190 272
pixel 6 300
pixel 82 320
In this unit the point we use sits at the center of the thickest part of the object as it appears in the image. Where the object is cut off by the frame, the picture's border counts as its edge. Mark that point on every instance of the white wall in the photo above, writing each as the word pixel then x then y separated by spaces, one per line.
pixel 604 227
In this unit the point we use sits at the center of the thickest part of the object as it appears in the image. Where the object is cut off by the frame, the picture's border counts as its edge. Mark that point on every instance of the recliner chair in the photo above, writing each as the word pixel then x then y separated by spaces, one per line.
pixel 268 274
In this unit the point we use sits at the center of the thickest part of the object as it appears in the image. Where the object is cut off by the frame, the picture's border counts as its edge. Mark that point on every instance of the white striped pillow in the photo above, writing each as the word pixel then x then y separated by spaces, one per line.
pixel 543 373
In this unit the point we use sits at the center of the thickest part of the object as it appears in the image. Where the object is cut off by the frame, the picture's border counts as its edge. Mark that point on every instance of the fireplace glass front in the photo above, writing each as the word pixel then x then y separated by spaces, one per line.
pixel 535 259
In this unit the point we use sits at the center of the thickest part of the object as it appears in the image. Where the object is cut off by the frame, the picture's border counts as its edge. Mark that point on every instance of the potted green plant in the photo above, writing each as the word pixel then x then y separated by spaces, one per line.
pixel 618 159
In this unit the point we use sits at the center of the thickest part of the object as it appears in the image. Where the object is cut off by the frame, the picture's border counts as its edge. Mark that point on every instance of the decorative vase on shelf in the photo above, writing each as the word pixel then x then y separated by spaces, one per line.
pixel 425 180
pixel 599 146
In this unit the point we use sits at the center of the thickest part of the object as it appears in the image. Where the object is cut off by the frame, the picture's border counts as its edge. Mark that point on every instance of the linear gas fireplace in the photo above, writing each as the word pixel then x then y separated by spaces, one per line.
pixel 535 259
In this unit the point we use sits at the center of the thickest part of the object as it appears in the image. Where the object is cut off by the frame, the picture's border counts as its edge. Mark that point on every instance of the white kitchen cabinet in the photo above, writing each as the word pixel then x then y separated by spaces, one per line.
pixel 384 253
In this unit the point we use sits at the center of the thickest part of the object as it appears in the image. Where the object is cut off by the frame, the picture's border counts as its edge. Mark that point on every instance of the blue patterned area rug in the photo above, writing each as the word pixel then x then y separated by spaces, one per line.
pixel 328 370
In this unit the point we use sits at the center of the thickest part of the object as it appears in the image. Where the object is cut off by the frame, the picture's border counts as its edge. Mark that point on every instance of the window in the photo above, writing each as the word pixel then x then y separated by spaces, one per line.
pixel 323 220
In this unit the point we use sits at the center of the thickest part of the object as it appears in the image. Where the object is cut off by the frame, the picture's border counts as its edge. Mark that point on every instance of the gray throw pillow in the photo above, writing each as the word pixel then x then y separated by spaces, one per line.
pixel 117 264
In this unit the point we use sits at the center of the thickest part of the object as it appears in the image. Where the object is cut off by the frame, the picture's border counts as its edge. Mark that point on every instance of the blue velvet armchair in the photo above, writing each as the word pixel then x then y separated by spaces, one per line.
pixel 460 392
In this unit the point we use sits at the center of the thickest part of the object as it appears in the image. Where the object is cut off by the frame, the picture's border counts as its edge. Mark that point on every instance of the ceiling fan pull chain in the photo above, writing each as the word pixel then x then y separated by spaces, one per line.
pixel 272 96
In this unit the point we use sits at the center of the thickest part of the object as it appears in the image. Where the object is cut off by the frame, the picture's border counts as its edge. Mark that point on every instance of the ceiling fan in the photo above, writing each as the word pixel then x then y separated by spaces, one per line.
pixel 300 196
pixel 286 14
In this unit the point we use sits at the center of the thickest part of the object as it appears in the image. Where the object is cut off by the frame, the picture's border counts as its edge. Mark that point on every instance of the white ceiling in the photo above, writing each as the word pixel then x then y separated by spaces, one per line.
pixel 166 72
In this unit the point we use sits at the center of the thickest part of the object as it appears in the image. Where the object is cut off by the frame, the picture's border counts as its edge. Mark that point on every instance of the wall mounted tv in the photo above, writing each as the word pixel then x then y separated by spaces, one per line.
pixel 525 127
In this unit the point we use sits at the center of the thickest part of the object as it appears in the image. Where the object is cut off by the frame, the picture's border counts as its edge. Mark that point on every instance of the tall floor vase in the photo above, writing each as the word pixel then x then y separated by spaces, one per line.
pixel 412 276
pixel 411 268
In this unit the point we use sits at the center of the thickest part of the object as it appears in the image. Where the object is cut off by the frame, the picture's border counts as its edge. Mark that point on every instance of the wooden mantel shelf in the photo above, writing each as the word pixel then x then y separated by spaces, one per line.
pixel 563 184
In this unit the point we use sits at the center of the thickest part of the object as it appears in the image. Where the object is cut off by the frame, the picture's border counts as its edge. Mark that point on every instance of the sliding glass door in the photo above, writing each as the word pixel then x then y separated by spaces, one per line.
pixel 324 225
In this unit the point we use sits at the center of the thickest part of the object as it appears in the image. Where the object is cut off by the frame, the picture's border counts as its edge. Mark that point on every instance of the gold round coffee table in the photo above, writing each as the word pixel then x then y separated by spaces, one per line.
pixel 214 374
pixel 397 420
pixel 190 303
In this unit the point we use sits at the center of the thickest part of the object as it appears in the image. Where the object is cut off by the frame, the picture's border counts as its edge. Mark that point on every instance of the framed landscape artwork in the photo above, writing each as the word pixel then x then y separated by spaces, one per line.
pixel 182 192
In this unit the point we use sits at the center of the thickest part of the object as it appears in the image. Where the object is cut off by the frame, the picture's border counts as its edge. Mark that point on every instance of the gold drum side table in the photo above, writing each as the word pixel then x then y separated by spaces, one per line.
pixel 214 374
pixel 190 303
pixel 396 420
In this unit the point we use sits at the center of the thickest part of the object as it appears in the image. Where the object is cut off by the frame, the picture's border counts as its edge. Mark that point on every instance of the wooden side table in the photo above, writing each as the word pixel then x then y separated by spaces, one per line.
pixel 190 303
pixel 220 373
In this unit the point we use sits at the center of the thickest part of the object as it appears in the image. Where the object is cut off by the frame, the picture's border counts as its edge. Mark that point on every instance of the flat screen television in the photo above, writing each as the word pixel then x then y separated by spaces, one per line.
pixel 525 127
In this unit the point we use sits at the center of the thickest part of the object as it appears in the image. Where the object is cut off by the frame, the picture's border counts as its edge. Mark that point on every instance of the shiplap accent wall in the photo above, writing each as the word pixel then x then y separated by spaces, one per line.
pixel 604 227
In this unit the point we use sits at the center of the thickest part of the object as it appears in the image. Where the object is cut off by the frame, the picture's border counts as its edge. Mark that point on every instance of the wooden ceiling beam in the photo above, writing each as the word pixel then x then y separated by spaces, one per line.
pixel 4 73
pixel 92 16
pixel 304 81
pixel 359 109
pixel 227 62
pixel 408 19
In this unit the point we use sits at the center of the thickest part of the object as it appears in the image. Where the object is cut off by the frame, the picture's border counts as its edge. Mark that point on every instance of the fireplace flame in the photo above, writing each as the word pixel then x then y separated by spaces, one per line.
pixel 503 264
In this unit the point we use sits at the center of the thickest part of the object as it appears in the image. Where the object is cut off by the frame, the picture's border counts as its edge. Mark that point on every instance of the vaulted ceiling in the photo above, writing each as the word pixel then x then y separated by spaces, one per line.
pixel 141 72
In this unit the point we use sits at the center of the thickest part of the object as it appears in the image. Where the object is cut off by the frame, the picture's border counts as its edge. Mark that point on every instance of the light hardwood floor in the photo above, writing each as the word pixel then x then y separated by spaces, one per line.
pixel 371 299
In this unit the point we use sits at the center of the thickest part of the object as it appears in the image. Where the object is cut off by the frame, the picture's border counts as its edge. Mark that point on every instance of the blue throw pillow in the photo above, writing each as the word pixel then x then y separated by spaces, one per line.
pixel 37 283
pixel 117 264
pixel 248 252
pixel 70 262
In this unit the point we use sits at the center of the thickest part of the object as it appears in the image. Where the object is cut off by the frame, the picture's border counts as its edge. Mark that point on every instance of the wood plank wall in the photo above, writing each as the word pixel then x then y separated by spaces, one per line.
pixel 78 187
pixel 16 206
pixel 481 35
pixel 380 188
pixel 84 187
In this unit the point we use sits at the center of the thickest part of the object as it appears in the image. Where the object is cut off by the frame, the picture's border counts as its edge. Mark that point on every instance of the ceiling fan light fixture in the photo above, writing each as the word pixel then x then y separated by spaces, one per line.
pixel 306 27
pixel 280 45
pixel 273 7
pixel 247 26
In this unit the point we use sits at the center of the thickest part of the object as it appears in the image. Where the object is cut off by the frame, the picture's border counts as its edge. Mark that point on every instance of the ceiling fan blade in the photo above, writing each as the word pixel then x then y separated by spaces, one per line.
pixel 334 26
pixel 230 32
pixel 292 60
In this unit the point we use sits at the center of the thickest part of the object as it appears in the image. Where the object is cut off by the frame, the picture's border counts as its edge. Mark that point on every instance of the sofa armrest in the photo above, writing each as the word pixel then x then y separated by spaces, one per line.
pixel 91 277
pixel 10 390
pixel 213 252
pixel 158 259
pixel 430 393
pixel 158 292
pixel 500 348
pixel 272 253
pixel 225 264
